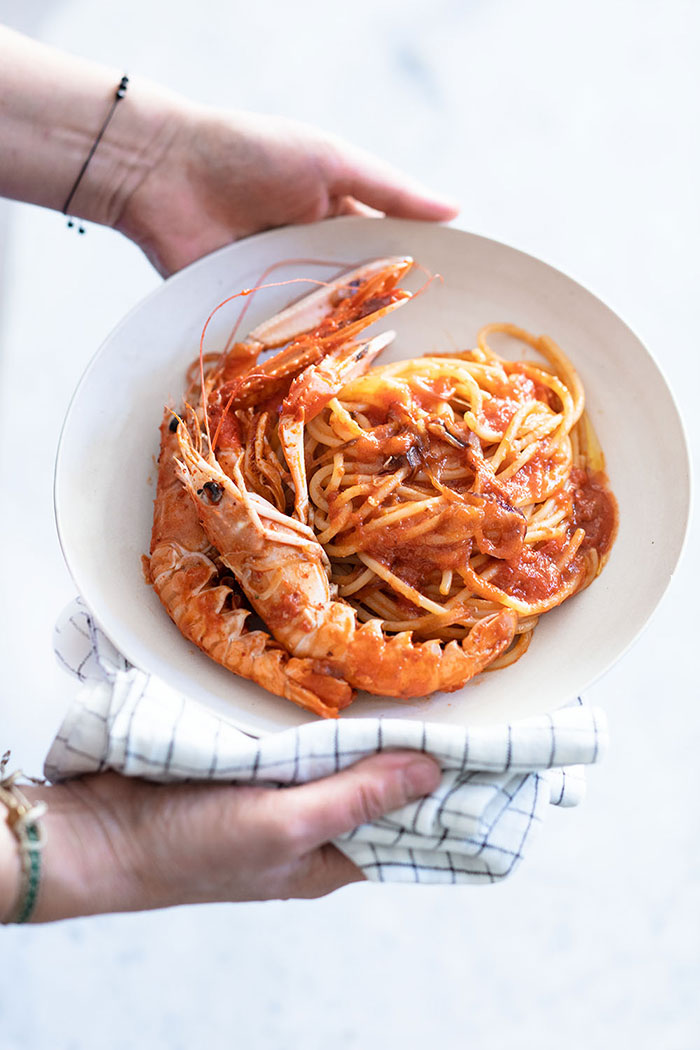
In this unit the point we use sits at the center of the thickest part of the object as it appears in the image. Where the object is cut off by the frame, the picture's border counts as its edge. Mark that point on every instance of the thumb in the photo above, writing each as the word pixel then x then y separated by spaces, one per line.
pixel 326 808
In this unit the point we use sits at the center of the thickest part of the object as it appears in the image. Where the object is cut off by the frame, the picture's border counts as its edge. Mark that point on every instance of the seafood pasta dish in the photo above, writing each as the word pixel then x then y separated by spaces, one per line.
pixel 324 524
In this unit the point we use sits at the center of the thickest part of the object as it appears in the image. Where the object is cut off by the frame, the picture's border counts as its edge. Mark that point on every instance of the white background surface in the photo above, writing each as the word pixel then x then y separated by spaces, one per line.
pixel 570 131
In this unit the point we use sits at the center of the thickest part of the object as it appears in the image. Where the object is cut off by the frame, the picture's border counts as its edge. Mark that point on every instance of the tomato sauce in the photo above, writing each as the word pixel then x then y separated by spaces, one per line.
pixel 532 576
pixel 507 398
pixel 595 509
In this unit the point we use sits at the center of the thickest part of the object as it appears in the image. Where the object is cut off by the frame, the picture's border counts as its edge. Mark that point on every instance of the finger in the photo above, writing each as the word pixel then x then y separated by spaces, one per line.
pixel 318 812
pixel 386 189
pixel 350 206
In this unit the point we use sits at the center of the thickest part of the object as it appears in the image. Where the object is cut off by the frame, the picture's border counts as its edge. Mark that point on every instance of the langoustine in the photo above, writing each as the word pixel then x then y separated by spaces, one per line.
pixel 207 605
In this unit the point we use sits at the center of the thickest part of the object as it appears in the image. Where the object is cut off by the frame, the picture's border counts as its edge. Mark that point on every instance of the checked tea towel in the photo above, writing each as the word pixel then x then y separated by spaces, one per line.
pixel 497 781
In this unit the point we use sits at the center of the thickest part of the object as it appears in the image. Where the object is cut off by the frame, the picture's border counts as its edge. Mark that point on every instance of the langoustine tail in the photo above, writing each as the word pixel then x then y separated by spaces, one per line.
pixel 396 665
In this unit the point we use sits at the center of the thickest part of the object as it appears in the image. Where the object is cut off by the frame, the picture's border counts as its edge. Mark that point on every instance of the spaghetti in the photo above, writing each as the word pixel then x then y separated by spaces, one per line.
pixel 447 487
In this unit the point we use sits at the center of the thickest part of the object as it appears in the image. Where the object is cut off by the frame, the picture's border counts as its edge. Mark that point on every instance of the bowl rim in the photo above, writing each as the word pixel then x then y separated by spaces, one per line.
pixel 238 717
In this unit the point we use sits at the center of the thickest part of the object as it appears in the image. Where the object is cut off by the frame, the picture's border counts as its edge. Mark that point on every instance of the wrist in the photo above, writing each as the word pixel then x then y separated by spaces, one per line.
pixel 23 820
pixel 10 868
pixel 155 194
pixel 87 865
pixel 138 137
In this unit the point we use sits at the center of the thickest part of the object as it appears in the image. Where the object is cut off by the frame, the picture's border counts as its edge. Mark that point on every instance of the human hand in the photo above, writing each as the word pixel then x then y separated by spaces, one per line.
pixel 120 844
pixel 178 179
pixel 223 176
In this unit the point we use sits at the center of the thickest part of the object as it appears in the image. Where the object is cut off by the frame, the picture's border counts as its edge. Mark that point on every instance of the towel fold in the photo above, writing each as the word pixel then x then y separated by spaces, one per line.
pixel 475 827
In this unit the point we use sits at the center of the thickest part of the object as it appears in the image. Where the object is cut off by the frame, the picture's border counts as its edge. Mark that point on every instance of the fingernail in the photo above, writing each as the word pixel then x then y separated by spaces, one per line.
pixel 421 776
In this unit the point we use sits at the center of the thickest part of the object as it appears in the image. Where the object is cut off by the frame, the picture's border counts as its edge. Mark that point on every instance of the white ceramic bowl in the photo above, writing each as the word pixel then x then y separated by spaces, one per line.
pixel 105 471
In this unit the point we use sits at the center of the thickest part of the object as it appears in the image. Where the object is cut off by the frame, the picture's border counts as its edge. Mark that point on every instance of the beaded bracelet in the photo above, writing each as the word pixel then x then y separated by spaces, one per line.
pixel 118 96
pixel 23 820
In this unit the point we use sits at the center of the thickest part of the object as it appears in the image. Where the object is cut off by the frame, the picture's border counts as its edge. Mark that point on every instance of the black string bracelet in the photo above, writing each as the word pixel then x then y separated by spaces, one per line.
pixel 118 96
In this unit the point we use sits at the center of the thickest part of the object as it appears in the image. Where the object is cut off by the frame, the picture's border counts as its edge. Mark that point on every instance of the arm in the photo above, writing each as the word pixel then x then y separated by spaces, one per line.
pixel 116 844
pixel 178 179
